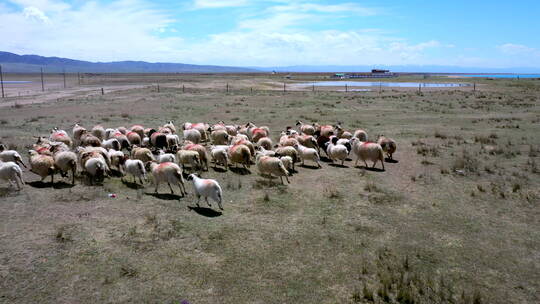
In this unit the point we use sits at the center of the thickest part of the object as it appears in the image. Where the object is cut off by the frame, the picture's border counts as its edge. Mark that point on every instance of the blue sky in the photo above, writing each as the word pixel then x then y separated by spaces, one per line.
pixel 278 32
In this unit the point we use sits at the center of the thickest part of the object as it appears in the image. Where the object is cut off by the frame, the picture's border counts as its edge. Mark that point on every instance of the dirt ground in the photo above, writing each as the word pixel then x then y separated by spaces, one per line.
pixel 453 220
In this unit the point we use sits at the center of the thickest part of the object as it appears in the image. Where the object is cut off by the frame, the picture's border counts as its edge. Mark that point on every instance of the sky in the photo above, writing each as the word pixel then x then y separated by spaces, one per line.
pixel 265 33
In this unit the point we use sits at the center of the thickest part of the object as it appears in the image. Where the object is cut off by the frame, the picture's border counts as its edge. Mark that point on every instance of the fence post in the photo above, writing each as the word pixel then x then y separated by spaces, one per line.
pixel 284 87
pixel 474 87
pixel 79 78
pixel 251 89
pixel 346 89
pixel 419 87
pixel 42 83
pixel 313 88
pixel 227 87
pixel 2 81
pixel 183 88
pixel 102 92
pixel 64 75
pixel 380 87
pixel 158 88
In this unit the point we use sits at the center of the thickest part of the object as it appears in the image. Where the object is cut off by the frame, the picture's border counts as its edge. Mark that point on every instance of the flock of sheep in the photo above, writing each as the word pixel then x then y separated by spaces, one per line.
pixel 138 150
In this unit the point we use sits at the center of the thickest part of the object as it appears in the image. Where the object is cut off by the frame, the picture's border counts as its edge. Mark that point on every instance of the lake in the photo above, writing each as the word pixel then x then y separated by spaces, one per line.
pixel 10 81
pixel 382 84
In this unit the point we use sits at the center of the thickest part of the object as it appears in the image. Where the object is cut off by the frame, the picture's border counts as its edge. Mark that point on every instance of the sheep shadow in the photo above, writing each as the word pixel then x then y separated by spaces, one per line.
pixel 165 196
pixel 392 161
pixel 266 182
pixel 219 169
pixel 131 185
pixel 312 167
pixel 338 165
pixel 62 185
pixel 325 159
pixel 40 184
pixel 370 169
pixel 240 171
pixel 204 211
pixel 116 173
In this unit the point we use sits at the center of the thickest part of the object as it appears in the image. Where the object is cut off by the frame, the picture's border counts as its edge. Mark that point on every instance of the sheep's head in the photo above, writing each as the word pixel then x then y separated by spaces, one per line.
pixel 298 122
pixel 334 140
pixel 2 147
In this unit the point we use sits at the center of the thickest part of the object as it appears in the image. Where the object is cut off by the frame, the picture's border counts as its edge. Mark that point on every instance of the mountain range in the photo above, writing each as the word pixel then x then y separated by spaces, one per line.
pixel 13 63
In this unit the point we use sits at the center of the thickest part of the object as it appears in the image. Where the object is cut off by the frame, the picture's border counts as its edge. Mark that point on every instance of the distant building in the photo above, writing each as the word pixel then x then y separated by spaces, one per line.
pixel 377 71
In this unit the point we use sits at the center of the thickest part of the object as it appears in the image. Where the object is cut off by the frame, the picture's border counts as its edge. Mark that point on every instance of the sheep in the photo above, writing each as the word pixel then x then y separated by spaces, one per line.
pixel 308 141
pixel 158 140
pixel 246 143
pixel 287 163
pixel 122 139
pixel 165 130
pixel 10 171
pixel 145 142
pixel 66 161
pixel 220 137
pixel 306 153
pixel 136 168
pixel 287 140
pixel 361 135
pixel 325 130
pixel 201 127
pixel 142 154
pixel 287 151
pixel 122 130
pixel 60 136
pixel 305 128
pixel 367 151
pixel 240 154
pixel 258 133
pixel 336 151
pixel 388 145
pixel 265 142
pixel 203 157
pixel 170 126
pixel 239 137
pixel 10 156
pixel 109 132
pixel 173 141
pixel 169 173
pixel 111 143
pixel 87 152
pixel 206 188
pixel 96 168
pixel 220 156
pixel 77 133
pixel 88 139
pixel 134 138
pixel 192 135
pixel 99 132
pixel 231 130
pixel 321 142
pixel 266 152
pixel 117 158
pixel 137 129
pixel 188 157
pixel 42 165
pixel 269 165
pixel 342 141
pixel 165 157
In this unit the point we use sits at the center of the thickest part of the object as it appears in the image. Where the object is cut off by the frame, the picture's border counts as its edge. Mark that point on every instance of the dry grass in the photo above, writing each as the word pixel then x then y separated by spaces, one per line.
pixel 452 221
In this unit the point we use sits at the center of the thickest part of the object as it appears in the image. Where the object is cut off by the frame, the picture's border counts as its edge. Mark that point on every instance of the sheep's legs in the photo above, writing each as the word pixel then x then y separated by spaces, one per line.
pixel 365 163
pixel 287 179
pixel 206 199
pixel 157 184
pixel 172 192
pixel 198 200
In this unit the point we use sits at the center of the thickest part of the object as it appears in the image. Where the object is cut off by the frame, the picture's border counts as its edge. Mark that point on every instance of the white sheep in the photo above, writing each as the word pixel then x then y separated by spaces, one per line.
pixel 99 132
pixel 10 171
pixel 96 168
pixel 306 153
pixel 163 157
pixel 220 137
pixel 269 165
pixel 305 128
pixel 336 151
pixel 66 161
pixel 266 152
pixel 287 163
pixel 143 154
pixel 116 157
pixel 111 143
pixel 10 156
pixel 265 142
pixel 361 135
pixel 203 156
pixel 193 135
pixel 136 168
pixel 170 173
pixel 207 188
pixel 188 157
pixel 287 151
pixel 173 141
pixel 170 126
pixel 367 151
pixel 220 156
pixel 77 133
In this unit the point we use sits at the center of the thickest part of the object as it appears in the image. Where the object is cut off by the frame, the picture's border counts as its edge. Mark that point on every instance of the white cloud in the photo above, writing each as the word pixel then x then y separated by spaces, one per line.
pixel 517 49
pixel 321 8
pixel 35 14
pixel 203 4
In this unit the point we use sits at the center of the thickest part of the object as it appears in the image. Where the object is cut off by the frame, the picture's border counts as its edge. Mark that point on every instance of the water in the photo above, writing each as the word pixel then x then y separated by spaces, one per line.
pixel 383 84
pixel 503 75
pixel 13 81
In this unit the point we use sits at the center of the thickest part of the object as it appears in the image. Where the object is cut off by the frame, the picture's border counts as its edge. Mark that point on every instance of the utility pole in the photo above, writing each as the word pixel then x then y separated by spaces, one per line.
pixel 42 84
pixel 79 78
pixel 2 81
pixel 64 75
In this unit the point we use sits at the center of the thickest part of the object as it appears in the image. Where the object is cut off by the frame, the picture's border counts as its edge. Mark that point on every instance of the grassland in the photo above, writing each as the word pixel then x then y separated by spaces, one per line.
pixel 455 220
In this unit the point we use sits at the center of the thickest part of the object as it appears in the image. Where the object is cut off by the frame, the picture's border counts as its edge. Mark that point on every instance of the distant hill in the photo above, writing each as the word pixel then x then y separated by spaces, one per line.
pixel 13 63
